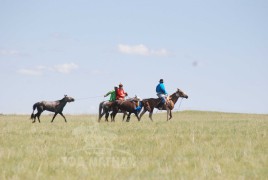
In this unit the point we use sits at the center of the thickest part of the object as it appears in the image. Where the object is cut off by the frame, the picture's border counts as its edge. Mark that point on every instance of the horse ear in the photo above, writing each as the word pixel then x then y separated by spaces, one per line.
pixel 65 95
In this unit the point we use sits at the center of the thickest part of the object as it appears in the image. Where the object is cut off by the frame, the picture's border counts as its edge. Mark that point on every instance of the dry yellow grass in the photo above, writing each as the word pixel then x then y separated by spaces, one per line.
pixel 193 145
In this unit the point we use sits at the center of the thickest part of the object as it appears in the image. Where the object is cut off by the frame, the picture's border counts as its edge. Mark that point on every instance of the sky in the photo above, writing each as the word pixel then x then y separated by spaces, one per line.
pixel 216 51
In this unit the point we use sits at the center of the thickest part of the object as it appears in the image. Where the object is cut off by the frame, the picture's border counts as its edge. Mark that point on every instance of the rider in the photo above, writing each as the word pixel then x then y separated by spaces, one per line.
pixel 112 93
pixel 138 104
pixel 161 93
pixel 120 93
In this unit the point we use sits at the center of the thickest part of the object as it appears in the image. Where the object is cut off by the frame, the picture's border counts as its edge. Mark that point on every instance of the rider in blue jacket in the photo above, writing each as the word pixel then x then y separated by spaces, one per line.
pixel 161 93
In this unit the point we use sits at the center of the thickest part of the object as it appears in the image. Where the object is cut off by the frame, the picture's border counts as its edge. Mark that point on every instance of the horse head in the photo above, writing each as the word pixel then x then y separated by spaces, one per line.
pixel 180 93
pixel 68 99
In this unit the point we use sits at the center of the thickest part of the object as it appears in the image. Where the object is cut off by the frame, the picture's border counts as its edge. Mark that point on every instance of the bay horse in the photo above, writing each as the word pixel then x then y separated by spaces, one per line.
pixel 128 106
pixel 105 107
pixel 168 106
pixel 53 106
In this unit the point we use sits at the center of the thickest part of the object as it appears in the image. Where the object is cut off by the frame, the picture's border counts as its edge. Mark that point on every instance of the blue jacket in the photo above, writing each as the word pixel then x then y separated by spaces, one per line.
pixel 160 89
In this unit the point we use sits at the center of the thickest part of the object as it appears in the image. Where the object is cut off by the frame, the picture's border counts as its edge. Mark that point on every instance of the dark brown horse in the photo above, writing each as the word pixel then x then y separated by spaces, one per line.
pixel 171 101
pixel 128 106
pixel 53 106
pixel 105 107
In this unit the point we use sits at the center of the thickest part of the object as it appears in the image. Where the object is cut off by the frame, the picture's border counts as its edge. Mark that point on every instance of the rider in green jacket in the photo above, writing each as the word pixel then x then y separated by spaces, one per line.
pixel 112 93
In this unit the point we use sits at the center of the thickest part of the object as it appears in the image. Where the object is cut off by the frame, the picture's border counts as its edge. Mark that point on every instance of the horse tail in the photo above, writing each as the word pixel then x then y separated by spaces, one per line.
pixel 100 108
pixel 34 107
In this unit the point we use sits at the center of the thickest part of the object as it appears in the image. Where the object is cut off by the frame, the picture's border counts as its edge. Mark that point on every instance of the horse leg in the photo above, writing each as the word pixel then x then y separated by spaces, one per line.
pixel 124 115
pixel 113 114
pixel 136 114
pixel 168 113
pixel 100 116
pixel 54 116
pixel 144 111
pixel 63 116
pixel 150 114
pixel 114 117
pixel 170 116
pixel 34 119
pixel 128 116
pixel 38 114
pixel 106 116
pixel 40 109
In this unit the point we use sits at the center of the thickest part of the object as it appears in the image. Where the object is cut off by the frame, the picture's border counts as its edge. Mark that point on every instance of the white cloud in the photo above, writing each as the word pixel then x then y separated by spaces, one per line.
pixel 137 49
pixel 37 71
pixel 65 68
pixel 40 70
pixel 141 50
pixel 31 72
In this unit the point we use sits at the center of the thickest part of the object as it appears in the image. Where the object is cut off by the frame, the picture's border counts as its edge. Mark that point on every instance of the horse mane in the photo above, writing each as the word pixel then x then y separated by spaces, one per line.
pixel 174 98
pixel 61 100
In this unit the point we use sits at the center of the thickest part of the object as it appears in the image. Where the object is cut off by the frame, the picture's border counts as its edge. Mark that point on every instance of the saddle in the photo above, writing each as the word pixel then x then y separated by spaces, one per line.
pixel 160 104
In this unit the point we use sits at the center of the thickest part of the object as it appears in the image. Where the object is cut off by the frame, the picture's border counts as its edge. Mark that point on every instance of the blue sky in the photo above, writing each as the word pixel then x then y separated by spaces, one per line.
pixel 216 51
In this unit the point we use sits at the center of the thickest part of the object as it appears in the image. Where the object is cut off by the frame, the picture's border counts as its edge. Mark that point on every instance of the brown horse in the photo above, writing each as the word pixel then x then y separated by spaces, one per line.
pixel 105 107
pixel 53 106
pixel 128 106
pixel 171 101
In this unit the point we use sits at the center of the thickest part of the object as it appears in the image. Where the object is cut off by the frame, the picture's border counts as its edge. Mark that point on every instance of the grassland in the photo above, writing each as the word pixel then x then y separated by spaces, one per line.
pixel 193 145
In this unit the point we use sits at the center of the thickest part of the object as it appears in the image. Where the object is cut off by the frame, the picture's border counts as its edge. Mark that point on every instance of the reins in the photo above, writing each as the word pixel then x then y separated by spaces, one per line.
pixel 180 104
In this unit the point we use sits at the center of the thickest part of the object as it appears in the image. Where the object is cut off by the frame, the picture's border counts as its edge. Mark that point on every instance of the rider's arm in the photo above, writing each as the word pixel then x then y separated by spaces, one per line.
pixel 108 93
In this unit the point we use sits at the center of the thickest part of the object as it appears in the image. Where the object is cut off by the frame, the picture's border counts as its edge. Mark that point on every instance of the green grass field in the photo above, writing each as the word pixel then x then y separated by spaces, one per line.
pixel 193 145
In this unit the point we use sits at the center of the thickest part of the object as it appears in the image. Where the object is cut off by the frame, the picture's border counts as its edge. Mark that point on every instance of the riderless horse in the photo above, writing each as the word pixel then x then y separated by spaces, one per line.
pixel 169 105
pixel 53 106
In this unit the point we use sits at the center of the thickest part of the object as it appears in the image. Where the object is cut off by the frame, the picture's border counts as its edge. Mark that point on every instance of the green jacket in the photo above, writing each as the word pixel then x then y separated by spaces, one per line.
pixel 113 95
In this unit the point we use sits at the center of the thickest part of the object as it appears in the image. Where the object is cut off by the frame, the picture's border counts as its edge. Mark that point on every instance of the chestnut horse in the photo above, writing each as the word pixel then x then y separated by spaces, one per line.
pixel 169 105
pixel 53 106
